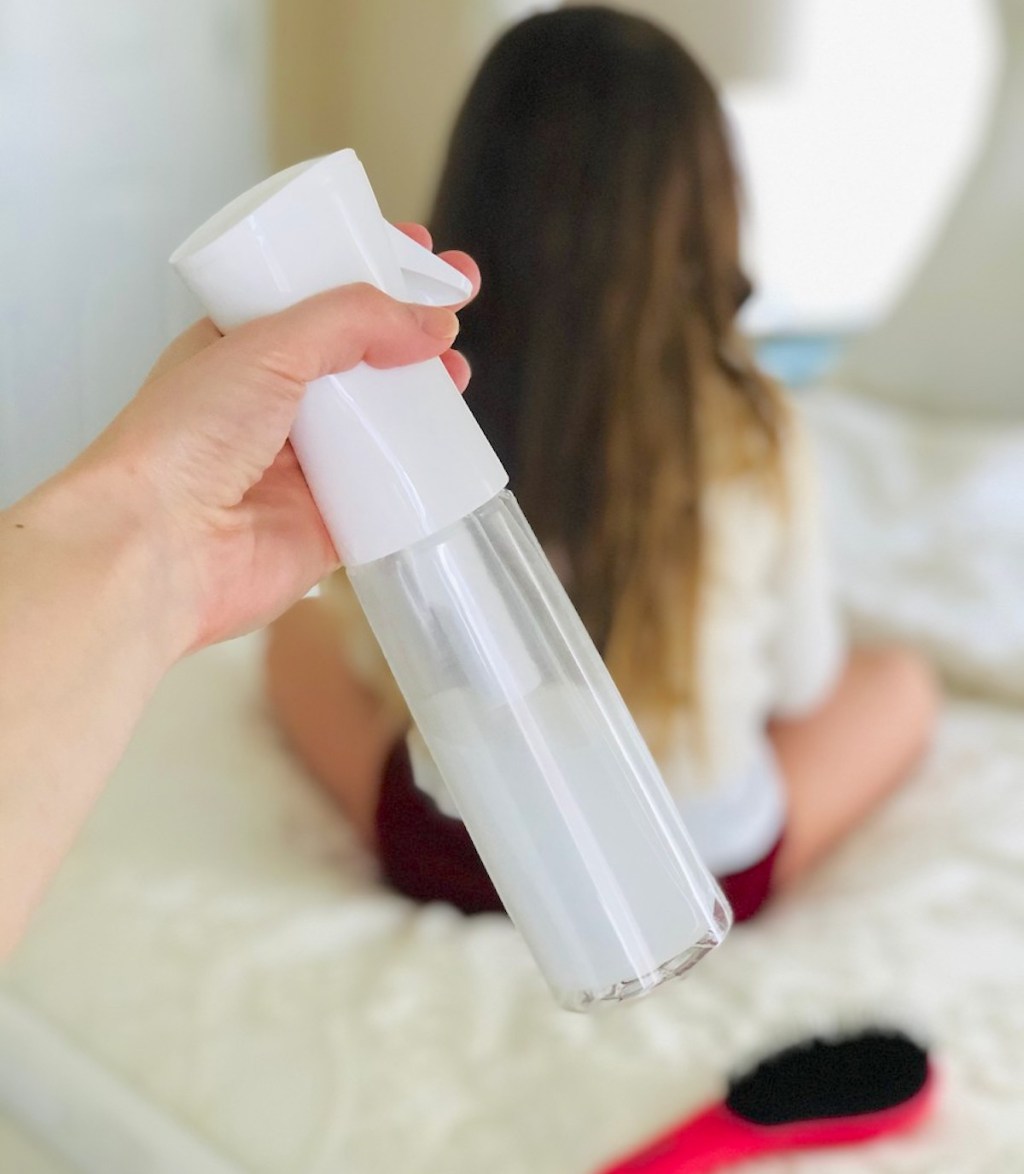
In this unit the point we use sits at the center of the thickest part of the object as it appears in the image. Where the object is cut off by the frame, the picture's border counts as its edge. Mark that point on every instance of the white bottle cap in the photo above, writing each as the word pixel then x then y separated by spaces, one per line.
pixel 391 456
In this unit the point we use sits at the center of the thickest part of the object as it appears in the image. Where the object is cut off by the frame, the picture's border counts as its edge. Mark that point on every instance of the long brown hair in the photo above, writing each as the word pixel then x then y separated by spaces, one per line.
pixel 590 175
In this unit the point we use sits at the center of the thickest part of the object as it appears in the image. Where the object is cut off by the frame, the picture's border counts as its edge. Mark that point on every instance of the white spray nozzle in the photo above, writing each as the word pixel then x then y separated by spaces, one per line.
pixel 428 280
pixel 390 456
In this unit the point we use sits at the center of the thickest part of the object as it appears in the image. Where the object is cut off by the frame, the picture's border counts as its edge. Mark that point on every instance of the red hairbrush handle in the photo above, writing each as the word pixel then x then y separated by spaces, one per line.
pixel 718 1137
pixel 703 1143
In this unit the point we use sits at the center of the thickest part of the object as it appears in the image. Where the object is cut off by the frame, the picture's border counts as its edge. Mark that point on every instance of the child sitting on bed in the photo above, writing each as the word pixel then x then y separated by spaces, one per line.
pixel 590 176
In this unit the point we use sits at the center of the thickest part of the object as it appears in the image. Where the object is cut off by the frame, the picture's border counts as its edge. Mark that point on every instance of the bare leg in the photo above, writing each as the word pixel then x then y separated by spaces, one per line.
pixel 841 761
pixel 336 725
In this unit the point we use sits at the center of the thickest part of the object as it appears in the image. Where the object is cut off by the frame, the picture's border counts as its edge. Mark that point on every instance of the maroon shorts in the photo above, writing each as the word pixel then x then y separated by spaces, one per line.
pixel 428 856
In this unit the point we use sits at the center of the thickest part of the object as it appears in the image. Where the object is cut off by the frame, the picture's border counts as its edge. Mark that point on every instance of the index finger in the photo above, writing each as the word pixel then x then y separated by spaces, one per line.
pixel 463 262
pixel 416 232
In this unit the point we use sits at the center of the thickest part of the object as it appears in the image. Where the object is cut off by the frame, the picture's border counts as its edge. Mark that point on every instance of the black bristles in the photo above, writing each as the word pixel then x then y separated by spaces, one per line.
pixel 864 1073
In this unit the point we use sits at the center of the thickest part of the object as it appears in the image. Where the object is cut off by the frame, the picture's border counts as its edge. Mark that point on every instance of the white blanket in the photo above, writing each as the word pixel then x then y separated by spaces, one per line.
pixel 927 518
pixel 218 983
pixel 218 945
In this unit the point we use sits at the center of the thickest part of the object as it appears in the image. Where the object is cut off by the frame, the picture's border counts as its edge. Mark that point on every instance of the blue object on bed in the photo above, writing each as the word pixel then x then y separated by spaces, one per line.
pixel 797 360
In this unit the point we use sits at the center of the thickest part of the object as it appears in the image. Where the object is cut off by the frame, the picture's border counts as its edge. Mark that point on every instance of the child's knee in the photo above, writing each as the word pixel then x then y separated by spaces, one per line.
pixel 911 684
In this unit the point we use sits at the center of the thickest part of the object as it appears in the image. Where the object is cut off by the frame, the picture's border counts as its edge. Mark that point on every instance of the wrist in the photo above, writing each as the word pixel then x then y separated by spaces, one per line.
pixel 91 523
pixel 88 626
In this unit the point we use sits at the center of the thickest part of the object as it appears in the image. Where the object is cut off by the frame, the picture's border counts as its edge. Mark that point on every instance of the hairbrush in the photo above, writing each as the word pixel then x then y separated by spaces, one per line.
pixel 817 1094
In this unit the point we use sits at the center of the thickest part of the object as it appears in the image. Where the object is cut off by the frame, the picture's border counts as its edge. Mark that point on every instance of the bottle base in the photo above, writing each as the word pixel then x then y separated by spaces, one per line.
pixel 637 988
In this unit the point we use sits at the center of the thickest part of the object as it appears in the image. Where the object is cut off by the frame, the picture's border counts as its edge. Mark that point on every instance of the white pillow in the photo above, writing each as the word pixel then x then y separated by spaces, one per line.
pixel 926 518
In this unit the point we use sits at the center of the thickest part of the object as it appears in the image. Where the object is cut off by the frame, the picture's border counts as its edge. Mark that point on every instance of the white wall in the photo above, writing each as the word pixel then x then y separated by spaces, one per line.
pixel 385 77
pixel 124 122
pixel 855 124
pixel 854 157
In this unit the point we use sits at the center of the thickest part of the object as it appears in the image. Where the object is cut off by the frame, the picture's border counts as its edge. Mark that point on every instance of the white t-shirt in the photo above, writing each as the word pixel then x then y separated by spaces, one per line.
pixel 770 644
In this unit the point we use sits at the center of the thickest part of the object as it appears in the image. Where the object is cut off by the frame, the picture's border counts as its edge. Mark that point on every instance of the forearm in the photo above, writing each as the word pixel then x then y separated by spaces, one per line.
pixel 187 522
pixel 80 655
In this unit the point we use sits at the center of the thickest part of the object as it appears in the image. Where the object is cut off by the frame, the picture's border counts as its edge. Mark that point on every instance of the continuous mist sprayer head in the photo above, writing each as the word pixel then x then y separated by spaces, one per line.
pixel 391 456
pixel 564 803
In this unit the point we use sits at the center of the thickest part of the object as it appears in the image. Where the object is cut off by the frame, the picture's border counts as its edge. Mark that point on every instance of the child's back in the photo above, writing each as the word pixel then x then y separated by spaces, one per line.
pixel 590 175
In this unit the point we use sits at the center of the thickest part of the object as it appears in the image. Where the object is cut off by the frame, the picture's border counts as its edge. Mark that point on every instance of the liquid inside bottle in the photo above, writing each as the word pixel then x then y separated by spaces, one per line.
pixel 542 760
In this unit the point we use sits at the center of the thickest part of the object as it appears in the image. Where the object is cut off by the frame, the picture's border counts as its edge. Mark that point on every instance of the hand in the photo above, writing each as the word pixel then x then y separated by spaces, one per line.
pixel 187 521
pixel 202 451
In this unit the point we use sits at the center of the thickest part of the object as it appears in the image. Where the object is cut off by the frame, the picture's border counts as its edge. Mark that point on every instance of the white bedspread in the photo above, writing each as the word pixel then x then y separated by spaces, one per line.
pixel 927 515
pixel 220 951
pixel 218 944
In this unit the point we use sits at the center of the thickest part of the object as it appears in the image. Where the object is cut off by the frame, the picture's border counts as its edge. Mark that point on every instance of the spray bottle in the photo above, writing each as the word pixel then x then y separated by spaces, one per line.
pixel 539 753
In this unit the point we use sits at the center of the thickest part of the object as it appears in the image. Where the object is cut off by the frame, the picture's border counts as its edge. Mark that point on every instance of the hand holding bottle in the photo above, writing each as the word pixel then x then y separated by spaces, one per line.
pixel 186 521
pixel 206 441
pixel 547 768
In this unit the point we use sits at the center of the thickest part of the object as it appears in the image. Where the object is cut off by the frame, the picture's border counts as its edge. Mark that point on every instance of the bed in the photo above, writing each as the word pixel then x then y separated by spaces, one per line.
pixel 218 984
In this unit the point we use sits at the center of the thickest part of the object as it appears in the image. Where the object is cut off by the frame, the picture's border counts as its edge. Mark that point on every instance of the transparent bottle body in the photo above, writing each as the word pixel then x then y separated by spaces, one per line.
pixel 542 759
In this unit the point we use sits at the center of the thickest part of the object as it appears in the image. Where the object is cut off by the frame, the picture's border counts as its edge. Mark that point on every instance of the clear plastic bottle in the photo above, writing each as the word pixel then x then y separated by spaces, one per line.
pixel 540 755
pixel 545 765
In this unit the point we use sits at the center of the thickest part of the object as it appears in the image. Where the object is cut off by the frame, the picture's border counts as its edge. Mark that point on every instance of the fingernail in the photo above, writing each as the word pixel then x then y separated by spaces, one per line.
pixel 437 321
